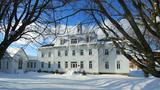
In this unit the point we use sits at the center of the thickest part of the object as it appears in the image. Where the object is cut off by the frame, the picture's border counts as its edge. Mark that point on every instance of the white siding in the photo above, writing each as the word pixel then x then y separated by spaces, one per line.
pixel 98 57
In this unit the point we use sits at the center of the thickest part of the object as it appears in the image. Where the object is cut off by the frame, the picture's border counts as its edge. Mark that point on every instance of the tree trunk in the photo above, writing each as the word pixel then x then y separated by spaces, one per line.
pixel 3 47
pixel 148 68
pixel 146 74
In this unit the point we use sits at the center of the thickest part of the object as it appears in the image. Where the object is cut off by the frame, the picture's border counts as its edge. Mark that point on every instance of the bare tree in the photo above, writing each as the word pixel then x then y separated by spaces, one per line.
pixel 143 18
pixel 16 16
pixel 138 50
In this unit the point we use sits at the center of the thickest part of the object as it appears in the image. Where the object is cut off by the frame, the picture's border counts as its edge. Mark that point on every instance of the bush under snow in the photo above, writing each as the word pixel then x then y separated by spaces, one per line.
pixel 136 73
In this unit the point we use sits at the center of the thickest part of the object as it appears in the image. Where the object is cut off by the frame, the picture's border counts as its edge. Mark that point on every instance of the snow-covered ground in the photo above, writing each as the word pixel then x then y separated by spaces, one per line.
pixel 45 81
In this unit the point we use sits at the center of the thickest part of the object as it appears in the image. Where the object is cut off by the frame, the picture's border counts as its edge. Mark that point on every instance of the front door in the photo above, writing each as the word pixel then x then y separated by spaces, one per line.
pixel 73 64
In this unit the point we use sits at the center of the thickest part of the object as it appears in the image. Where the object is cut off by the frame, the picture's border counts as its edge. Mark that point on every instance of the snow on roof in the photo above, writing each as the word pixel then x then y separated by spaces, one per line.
pixel 156 50
pixel 12 51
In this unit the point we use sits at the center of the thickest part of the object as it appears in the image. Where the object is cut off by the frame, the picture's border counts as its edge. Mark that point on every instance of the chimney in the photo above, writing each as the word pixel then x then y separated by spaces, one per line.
pixel 79 28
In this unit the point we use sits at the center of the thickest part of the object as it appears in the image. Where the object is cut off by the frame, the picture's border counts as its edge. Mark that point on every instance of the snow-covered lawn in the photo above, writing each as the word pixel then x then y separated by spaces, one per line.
pixel 44 81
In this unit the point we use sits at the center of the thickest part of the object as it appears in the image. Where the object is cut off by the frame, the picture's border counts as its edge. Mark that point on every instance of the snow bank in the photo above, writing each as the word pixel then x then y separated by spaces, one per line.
pixel 70 72
pixel 31 72
pixel 47 81
pixel 136 73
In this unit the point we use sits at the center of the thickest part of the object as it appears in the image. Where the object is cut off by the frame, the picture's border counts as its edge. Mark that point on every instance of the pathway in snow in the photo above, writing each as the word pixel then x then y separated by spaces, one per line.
pixel 43 81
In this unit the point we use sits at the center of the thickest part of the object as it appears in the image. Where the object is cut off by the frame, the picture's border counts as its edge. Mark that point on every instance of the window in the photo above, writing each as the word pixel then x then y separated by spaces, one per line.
pixel 117 51
pixel 107 65
pixel 42 64
pixel 106 52
pixel 87 39
pixel 66 52
pixel 81 52
pixel 73 53
pixel 49 64
pixel 7 65
pixel 74 41
pixel 49 54
pixel 118 64
pixel 59 64
pixel 28 64
pixel 59 53
pixel 81 64
pixel 61 41
pixel 90 64
pixel 42 54
pixel 66 64
pixel 34 64
pixel 31 64
pixel 20 64
pixel 90 51
pixel 0 64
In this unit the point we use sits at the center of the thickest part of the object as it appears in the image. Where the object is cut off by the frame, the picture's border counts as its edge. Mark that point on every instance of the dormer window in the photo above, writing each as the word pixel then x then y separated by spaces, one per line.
pixel 117 51
pixel 87 39
pixel 74 41
pixel 106 52
pixel 61 41
pixel 42 54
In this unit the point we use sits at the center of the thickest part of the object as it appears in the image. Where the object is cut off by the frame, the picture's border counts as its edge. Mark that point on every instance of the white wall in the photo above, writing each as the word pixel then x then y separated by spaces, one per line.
pixel 98 59
pixel 54 59
pixel 112 58
pixel 13 62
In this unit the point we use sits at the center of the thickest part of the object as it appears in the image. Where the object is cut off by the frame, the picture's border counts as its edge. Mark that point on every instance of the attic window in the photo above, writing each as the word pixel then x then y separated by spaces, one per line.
pixel 42 55
pixel 87 38
pixel 74 41
pixel 117 51
pixel 61 41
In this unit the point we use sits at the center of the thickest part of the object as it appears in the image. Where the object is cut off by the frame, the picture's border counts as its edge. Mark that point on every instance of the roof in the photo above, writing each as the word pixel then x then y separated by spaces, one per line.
pixel 12 51
pixel 156 50
pixel 47 45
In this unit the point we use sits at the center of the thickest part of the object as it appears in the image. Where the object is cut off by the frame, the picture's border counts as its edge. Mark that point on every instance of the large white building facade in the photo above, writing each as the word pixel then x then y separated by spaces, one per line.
pixel 82 52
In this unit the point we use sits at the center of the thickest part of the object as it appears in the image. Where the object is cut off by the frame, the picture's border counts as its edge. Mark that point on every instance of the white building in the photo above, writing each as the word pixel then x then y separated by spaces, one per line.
pixel 83 52
pixel 33 64
pixel 14 61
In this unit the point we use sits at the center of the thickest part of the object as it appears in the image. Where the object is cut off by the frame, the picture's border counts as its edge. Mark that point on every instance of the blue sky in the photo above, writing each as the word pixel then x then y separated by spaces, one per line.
pixel 31 49
pixel 73 20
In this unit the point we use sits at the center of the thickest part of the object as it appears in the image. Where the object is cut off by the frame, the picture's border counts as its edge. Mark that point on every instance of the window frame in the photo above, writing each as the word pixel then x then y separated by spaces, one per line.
pixel 66 52
pixel 42 55
pixel 81 64
pixel 74 41
pixel 66 64
pixel 118 65
pixel 90 52
pixel 90 64
pixel 59 64
pixel 81 52
pixel 49 54
pixel 59 53
pixel 73 53
pixel 106 52
pixel 87 38
pixel 107 65
pixel 42 64
pixel 49 64
pixel 35 64
pixel 62 41
pixel 118 52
